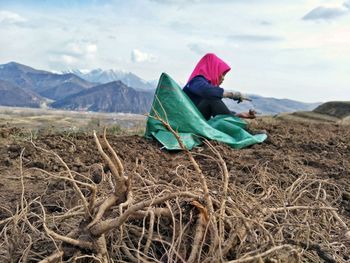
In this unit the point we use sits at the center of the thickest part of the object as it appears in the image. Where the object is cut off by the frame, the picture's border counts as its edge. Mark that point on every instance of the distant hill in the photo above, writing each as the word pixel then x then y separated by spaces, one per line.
pixel 267 105
pixel 331 112
pixel 105 76
pixel 44 83
pixel 13 95
pixel 111 97
pixel 339 109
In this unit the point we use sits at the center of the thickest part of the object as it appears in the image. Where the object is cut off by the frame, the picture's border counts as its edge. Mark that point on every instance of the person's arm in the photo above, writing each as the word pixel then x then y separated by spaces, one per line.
pixel 227 94
pixel 202 88
pixel 233 95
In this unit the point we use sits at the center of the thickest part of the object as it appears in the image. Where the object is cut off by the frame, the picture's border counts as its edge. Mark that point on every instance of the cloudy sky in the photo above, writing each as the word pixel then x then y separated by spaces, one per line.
pixel 297 49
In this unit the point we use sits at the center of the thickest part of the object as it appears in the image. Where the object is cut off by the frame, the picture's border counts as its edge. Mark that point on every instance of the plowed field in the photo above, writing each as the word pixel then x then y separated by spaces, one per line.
pixel 284 194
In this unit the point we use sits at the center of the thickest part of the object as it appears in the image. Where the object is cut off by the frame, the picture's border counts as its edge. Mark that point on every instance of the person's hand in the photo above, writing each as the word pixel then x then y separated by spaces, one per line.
pixel 234 95
pixel 251 114
pixel 237 96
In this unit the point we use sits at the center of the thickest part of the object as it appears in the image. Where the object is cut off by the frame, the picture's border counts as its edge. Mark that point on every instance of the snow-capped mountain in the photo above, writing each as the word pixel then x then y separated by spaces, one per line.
pixel 105 76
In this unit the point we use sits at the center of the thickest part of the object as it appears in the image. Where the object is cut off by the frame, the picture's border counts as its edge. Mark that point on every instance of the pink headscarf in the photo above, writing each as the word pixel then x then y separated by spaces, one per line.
pixel 211 67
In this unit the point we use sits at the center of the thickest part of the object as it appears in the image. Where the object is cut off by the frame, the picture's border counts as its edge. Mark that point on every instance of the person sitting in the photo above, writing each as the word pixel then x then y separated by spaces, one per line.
pixel 203 88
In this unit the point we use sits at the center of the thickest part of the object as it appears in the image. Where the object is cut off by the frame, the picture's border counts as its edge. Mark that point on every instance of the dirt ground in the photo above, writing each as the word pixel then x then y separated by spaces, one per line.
pixel 318 153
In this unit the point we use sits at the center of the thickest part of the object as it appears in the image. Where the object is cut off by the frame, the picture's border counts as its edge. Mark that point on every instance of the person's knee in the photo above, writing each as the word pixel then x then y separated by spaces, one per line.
pixel 215 101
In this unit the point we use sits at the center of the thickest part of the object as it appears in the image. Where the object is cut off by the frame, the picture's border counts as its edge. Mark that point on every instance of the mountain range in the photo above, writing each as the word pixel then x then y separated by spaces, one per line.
pixel 270 106
pixel 105 76
pixel 44 83
pixel 13 95
pixel 113 96
pixel 103 91
pixel 24 86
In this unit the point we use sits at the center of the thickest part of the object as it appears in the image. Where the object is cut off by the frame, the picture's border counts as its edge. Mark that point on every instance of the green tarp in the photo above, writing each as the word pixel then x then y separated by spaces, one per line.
pixel 172 105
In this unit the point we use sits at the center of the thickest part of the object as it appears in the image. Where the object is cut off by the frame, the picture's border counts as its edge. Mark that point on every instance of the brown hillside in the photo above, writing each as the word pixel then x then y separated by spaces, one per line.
pixel 339 109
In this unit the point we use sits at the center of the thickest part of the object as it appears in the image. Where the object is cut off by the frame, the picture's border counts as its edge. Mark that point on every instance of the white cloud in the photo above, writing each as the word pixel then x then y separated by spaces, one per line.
pixel 9 17
pixel 81 49
pixel 69 59
pixel 197 49
pixel 255 38
pixel 176 2
pixel 139 56
pixel 91 48
pixel 338 38
pixel 75 54
pixel 328 12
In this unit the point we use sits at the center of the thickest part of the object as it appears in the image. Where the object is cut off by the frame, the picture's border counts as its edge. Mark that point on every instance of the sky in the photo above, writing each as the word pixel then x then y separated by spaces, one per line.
pixel 295 49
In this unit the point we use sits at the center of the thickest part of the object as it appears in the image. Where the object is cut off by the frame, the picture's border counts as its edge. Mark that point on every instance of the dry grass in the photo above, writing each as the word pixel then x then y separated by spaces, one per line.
pixel 307 116
pixel 345 121
pixel 60 120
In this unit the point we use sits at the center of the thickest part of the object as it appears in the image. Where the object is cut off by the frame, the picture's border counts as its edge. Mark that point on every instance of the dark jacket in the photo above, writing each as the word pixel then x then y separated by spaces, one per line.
pixel 199 88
